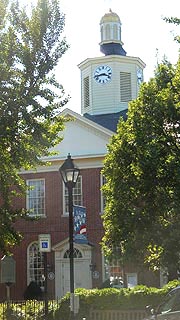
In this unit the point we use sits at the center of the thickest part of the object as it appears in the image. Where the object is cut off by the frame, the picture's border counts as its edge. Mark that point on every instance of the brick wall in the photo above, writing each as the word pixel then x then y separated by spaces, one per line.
pixel 57 225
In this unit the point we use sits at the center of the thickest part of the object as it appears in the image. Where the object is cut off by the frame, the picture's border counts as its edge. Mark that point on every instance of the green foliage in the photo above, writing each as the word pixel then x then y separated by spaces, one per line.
pixel 136 298
pixel 32 309
pixel 142 171
pixel 175 21
pixel 30 97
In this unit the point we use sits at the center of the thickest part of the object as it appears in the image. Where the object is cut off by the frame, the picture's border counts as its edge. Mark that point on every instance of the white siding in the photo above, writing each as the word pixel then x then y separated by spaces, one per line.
pixel 105 98
pixel 80 139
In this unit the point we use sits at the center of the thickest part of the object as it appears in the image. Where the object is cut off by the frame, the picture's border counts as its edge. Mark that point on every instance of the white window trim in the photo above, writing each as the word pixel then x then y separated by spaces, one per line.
pixel 66 214
pixel 28 262
pixel 27 197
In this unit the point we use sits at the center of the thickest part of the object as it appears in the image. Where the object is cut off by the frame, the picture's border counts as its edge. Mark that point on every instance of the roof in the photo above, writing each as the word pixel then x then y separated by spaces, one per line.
pixel 110 17
pixel 109 120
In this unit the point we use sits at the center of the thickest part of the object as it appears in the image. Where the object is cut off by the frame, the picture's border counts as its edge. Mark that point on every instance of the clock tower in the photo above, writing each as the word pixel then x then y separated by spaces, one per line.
pixel 110 82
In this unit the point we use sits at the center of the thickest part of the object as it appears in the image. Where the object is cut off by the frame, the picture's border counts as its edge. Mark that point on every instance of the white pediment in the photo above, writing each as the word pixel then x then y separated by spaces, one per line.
pixel 61 247
pixel 82 137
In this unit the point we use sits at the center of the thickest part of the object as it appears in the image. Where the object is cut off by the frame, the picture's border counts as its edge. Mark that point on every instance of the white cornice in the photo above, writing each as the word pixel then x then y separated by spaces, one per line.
pixel 67 112
pixel 111 58
pixel 83 162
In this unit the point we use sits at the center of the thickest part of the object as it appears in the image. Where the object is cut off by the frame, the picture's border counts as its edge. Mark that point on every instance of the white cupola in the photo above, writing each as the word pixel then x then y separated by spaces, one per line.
pixel 110 28
pixel 110 81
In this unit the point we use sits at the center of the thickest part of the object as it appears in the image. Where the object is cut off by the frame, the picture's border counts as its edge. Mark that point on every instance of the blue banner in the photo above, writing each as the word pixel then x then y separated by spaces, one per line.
pixel 80 234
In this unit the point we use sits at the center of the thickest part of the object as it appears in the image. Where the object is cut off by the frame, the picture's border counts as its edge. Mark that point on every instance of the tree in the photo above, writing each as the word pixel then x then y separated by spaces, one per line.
pixel 31 45
pixel 142 169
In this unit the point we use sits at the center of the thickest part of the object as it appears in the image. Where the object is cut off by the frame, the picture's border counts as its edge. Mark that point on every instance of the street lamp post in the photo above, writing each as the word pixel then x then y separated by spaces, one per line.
pixel 70 175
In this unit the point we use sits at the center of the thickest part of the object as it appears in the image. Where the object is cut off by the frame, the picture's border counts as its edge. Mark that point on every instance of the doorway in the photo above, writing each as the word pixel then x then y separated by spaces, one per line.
pixel 82 272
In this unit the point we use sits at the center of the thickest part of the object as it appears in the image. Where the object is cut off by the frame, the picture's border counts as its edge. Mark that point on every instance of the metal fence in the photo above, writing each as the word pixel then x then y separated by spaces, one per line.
pixel 25 310
pixel 35 310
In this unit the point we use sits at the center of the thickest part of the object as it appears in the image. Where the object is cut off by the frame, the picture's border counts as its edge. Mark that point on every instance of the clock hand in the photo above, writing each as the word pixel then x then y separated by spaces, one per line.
pixel 104 74
pixel 96 76
pixel 101 75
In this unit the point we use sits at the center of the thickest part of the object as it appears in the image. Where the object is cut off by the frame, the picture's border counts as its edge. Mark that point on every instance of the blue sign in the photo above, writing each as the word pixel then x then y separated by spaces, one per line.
pixel 80 232
pixel 44 244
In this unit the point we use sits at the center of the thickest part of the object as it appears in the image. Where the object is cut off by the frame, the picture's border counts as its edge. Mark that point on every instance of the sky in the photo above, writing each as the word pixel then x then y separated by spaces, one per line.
pixel 143 32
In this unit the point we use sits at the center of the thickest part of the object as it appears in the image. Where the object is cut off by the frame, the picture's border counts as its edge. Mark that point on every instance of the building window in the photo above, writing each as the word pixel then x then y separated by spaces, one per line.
pixel 113 272
pixel 103 200
pixel 86 92
pixel 77 195
pixel 35 266
pixel 35 200
pixel 125 87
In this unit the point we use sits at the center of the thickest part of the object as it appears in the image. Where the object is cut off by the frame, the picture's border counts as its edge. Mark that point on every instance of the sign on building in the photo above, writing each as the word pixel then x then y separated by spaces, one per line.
pixel 44 242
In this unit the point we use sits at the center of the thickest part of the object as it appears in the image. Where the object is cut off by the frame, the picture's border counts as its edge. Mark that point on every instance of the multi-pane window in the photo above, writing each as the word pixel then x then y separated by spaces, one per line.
pixel 86 92
pixel 77 195
pixel 35 200
pixel 35 265
pixel 125 87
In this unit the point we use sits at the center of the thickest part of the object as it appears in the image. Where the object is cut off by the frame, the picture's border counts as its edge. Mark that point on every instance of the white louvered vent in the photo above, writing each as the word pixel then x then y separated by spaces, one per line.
pixel 125 87
pixel 86 92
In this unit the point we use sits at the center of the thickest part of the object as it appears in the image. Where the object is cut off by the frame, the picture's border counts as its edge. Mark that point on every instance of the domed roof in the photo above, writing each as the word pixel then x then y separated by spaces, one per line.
pixel 110 17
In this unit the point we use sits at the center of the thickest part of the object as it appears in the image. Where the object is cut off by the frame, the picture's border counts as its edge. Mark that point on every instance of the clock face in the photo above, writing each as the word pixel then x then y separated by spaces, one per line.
pixel 102 74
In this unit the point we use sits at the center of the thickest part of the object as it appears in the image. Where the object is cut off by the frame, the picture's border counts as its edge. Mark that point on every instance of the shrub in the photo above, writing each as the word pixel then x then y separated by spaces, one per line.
pixel 136 298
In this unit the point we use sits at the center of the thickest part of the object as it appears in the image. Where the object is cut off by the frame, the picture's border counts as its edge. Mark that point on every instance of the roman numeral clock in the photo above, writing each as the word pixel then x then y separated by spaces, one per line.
pixel 102 74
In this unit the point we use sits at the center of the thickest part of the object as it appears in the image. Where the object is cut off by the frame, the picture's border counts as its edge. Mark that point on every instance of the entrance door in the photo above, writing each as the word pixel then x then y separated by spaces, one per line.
pixel 82 272
pixel 81 275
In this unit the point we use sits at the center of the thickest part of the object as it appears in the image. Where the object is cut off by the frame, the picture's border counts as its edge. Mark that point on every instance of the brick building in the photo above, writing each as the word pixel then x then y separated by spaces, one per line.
pixel 108 83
